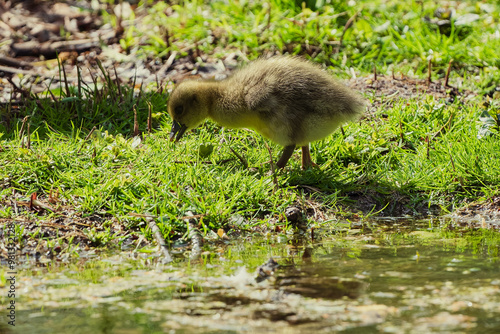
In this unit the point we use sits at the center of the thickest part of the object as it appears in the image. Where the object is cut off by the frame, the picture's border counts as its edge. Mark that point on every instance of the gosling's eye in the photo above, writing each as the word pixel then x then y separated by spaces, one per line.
pixel 178 110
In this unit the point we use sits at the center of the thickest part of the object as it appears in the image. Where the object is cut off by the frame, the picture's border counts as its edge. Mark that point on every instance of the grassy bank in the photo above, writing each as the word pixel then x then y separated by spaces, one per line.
pixel 418 155
pixel 406 156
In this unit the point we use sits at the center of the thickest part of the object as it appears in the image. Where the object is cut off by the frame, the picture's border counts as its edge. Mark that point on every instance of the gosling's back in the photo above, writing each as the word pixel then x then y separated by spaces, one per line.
pixel 295 101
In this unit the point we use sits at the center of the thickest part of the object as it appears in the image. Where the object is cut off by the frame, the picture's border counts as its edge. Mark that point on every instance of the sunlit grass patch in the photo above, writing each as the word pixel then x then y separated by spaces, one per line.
pixel 85 156
pixel 359 34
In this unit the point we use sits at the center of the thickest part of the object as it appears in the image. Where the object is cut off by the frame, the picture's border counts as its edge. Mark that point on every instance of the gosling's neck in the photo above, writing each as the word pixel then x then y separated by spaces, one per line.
pixel 208 94
pixel 228 105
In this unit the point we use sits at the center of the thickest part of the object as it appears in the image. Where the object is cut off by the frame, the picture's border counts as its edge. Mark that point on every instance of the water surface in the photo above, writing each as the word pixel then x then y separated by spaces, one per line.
pixel 388 276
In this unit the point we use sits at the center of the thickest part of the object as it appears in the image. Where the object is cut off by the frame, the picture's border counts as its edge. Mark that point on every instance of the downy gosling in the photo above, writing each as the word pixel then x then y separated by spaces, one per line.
pixel 286 99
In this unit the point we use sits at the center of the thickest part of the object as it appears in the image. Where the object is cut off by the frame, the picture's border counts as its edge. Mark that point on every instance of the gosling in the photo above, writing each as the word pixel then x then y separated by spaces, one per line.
pixel 286 99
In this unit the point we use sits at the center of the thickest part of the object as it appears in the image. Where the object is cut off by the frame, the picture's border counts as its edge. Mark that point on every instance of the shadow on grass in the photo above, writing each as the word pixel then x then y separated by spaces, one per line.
pixel 362 193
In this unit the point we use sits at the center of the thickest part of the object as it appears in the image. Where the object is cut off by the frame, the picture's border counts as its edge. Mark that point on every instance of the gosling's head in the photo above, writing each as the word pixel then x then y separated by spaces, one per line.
pixel 188 106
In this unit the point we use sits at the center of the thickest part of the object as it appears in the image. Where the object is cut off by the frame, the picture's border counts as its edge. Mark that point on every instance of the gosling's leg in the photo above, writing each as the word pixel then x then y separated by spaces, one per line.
pixel 285 156
pixel 306 157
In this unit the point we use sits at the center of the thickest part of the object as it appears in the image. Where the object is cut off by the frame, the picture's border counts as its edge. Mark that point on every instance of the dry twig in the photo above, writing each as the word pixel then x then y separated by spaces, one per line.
pixel 166 258
pixel 347 25
pixel 273 166
pixel 86 138
pixel 447 77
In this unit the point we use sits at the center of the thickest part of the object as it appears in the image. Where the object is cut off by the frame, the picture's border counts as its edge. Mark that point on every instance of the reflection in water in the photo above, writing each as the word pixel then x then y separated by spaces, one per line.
pixel 397 276
pixel 307 284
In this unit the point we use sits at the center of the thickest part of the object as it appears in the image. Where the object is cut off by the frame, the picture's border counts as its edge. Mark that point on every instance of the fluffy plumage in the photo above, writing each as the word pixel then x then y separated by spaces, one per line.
pixel 286 99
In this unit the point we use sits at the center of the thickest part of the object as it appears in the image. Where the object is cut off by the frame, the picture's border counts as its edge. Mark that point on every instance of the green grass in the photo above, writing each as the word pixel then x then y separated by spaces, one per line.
pixel 384 33
pixel 386 156
pixel 114 175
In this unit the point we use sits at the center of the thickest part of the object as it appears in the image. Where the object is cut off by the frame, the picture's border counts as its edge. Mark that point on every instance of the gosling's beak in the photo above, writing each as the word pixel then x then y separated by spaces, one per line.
pixel 179 129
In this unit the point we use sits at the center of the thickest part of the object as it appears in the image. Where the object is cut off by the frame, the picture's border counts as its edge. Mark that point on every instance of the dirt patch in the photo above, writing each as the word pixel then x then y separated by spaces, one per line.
pixel 388 90
pixel 484 214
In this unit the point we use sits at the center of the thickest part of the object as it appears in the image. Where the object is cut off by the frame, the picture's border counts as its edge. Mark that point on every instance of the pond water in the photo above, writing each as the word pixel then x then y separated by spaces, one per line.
pixel 387 276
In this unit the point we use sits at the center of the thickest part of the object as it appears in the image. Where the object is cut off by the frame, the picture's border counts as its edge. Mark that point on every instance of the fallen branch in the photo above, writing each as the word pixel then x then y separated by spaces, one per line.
pixel 166 257
pixel 167 64
pixel 19 71
pixel 50 49
pixel 12 62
